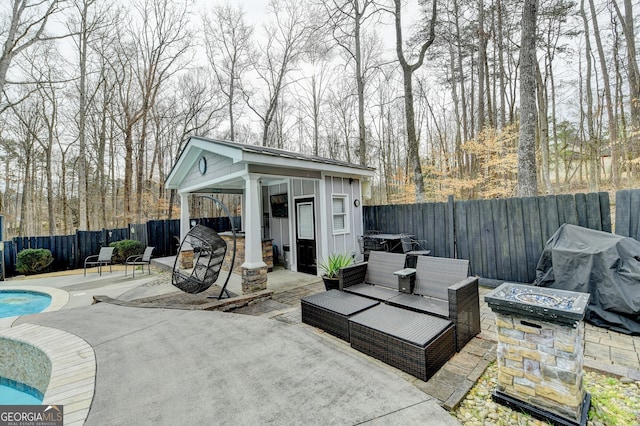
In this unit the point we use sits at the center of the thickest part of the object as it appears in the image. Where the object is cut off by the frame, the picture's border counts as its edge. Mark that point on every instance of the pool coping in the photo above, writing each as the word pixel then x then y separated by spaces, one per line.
pixel 73 367
pixel 73 361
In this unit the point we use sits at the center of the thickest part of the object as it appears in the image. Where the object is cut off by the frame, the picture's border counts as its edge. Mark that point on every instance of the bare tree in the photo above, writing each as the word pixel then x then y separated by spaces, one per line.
pixel 27 22
pixel 286 39
pixel 407 75
pixel 229 49
pixel 149 51
pixel 347 19
pixel 527 181
pixel 613 126
pixel 633 71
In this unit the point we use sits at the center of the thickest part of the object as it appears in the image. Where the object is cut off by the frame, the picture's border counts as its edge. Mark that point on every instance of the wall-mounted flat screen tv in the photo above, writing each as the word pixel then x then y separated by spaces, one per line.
pixel 279 205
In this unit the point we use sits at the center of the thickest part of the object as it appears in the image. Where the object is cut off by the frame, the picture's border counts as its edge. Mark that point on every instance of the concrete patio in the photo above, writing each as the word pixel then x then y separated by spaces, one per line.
pixel 248 368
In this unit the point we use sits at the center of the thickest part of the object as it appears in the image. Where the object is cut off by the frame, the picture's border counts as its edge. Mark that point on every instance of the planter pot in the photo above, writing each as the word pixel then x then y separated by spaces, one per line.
pixel 331 283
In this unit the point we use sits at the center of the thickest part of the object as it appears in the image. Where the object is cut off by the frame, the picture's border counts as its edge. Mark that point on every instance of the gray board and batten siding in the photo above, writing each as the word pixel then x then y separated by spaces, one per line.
pixel 502 238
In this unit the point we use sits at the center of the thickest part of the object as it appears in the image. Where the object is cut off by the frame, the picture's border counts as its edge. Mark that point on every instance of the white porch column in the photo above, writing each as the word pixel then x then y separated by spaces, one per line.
pixel 185 226
pixel 185 257
pixel 254 270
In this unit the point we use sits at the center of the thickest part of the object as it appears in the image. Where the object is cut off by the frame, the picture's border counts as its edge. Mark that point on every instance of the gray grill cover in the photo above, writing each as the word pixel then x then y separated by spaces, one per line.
pixel 605 265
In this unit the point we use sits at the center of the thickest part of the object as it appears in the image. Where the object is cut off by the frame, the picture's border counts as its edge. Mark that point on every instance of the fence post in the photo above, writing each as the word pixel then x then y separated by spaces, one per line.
pixel 451 236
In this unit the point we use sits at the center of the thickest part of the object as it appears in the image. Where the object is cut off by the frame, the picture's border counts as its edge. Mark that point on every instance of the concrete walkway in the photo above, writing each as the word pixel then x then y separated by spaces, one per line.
pixel 253 360
pixel 167 366
pixel 171 366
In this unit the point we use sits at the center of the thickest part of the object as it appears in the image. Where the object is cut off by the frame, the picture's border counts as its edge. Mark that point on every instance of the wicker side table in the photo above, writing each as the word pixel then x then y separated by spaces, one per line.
pixel 416 343
pixel 330 311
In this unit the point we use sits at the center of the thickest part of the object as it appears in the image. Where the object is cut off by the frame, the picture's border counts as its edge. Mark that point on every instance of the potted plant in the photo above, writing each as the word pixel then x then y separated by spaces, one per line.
pixel 331 266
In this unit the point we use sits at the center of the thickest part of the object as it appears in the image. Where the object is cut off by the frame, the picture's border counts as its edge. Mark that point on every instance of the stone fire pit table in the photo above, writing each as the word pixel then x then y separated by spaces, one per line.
pixel 540 351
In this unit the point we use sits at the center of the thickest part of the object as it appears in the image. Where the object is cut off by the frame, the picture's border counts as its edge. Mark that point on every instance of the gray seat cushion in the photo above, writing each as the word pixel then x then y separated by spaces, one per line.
pixel 413 327
pixel 340 302
pixel 372 291
pixel 417 303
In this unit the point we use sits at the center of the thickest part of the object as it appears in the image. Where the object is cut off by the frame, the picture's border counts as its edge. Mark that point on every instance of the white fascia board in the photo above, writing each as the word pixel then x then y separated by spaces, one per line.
pixel 182 167
pixel 235 154
pixel 287 162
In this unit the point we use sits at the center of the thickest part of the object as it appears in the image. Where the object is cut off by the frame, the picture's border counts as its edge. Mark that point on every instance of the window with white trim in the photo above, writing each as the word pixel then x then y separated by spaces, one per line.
pixel 340 214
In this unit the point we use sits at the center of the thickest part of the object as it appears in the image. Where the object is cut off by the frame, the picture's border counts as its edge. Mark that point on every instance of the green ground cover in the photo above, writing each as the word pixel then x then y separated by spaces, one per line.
pixel 614 401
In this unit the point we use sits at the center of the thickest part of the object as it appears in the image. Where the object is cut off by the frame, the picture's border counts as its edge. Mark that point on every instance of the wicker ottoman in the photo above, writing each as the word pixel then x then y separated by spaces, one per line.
pixel 330 311
pixel 416 343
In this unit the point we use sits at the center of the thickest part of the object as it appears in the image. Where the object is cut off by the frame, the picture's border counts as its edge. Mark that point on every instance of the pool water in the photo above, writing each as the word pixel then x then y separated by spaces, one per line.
pixel 22 302
pixel 14 393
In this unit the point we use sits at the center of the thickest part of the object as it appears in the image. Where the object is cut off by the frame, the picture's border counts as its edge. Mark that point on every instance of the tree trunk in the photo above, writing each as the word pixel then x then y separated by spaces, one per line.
pixel 407 74
pixel 83 214
pixel 592 144
pixel 362 140
pixel 613 125
pixel 482 59
pixel 543 131
pixel 527 180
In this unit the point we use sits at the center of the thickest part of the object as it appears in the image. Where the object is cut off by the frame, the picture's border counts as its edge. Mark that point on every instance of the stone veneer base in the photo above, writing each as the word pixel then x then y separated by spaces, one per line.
pixel 541 414
pixel 254 280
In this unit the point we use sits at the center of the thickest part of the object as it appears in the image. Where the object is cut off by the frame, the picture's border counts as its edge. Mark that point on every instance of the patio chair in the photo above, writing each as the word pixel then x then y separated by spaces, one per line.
pixel 103 258
pixel 209 250
pixel 413 248
pixel 139 259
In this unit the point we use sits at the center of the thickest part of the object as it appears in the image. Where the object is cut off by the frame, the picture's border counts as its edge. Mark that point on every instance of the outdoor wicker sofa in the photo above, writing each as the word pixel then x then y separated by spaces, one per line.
pixel 414 342
pixel 442 288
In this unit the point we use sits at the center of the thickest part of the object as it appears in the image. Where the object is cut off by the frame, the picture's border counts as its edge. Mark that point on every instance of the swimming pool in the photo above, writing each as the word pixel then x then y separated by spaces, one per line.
pixel 22 302
pixel 16 393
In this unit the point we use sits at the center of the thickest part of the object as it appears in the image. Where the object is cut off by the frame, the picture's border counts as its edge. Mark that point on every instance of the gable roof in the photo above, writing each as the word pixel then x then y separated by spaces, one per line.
pixel 259 155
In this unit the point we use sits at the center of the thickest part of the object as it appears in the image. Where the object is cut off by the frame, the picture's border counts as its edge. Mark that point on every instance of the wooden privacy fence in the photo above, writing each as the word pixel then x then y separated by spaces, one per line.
pixel 502 238
pixel 70 251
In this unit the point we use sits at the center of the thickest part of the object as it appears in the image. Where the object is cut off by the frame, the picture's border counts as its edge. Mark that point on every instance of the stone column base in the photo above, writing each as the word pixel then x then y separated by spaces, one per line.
pixel 185 259
pixel 254 280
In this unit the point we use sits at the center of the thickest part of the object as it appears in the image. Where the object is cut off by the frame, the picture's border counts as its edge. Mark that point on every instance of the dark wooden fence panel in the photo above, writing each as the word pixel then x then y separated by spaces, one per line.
pixel 10 254
pixel 70 251
pixel 164 235
pixel 502 238
pixel 87 243
pixel 628 213
pixel 427 221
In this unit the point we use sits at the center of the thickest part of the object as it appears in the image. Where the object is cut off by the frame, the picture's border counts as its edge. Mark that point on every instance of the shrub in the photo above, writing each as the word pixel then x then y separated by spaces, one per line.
pixel 126 248
pixel 33 261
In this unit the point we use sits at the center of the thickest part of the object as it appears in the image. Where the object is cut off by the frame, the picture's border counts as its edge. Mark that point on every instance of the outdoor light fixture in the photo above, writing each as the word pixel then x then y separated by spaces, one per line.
pixel 133 230
pixel 193 223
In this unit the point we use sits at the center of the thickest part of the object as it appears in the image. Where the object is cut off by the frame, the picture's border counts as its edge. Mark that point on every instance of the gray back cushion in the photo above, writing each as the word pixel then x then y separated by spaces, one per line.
pixel 381 266
pixel 435 274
